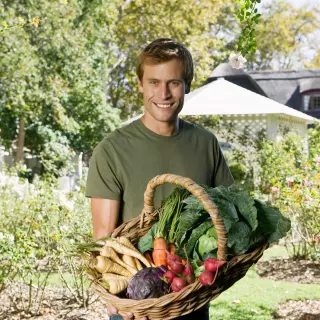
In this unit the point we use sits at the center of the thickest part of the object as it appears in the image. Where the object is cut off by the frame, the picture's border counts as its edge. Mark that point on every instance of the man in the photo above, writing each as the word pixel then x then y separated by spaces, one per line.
pixel 159 142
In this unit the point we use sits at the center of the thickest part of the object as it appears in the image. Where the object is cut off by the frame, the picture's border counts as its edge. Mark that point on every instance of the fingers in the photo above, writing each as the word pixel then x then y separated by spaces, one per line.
pixel 129 316
pixel 111 310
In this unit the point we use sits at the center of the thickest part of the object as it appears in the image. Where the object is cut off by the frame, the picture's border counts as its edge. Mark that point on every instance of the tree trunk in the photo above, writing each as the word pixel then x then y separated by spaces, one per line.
pixel 20 143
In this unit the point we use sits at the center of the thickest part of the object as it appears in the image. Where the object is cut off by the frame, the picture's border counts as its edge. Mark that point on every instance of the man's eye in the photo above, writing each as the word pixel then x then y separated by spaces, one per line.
pixel 175 83
pixel 153 82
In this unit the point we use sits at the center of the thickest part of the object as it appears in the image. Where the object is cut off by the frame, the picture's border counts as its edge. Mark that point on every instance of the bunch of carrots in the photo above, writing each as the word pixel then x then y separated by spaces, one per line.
pixel 168 220
pixel 118 261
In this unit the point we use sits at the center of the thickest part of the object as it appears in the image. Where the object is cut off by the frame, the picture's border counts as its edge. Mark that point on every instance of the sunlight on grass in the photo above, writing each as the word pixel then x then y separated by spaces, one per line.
pixel 275 252
pixel 255 298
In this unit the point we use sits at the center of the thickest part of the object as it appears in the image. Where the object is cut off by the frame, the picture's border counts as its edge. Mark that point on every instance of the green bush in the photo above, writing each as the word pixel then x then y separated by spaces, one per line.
pixel 38 231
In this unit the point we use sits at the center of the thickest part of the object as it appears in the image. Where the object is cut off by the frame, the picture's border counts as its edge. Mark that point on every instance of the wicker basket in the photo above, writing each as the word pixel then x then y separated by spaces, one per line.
pixel 194 295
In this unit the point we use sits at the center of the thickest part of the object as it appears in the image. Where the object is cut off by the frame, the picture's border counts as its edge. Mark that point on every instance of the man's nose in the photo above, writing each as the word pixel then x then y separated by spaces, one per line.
pixel 164 91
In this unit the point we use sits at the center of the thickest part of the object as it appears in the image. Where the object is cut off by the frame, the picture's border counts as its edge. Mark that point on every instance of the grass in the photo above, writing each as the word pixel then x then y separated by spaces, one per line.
pixel 275 252
pixel 255 298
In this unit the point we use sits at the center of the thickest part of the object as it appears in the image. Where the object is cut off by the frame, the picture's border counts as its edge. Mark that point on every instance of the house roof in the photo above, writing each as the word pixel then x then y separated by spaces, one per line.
pixel 222 97
pixel 285 86
pixel 236 76
pixel 225 70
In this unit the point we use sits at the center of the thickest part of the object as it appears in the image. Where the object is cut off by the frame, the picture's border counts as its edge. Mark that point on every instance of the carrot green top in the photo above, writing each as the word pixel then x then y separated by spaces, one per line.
pixel 123 163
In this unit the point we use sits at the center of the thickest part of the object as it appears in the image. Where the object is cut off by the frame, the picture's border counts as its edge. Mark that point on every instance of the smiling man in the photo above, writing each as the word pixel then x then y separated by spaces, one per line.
pixel 157 143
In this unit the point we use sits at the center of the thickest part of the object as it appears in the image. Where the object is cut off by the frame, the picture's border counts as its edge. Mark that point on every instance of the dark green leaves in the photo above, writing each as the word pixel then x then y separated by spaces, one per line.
pixel 248 222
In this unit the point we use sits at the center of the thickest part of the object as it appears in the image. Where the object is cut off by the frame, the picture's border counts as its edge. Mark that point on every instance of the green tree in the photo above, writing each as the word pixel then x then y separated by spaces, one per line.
pixel 282 35
pixel 54 77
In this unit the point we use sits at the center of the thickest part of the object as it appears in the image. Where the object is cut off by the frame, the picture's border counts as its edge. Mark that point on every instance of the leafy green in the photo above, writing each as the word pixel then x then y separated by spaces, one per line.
pixel 206 244
pixel 239 237
pixel 272 222
pixel 188 220
pixel 245 204
pixel 208 241
pixel 146 242
pixel 194 237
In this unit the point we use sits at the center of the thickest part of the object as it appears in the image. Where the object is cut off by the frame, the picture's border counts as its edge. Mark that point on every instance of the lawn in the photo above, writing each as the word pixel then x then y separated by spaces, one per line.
pixel 255 298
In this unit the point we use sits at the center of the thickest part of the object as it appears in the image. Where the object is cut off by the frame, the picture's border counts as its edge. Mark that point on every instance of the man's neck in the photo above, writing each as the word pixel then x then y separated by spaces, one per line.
pixel 162 128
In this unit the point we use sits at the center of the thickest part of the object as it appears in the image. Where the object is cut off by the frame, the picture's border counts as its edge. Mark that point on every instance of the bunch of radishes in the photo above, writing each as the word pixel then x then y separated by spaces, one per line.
pixel 180 274
pixel 208 276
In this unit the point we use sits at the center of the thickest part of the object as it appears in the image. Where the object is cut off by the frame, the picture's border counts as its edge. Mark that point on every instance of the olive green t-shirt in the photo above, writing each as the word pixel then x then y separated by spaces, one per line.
pixel 123 163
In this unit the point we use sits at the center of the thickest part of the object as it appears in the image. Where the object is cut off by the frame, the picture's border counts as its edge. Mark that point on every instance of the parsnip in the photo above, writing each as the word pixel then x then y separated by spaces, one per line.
pixel 104 265
pixel 108 252
pixel 122 249
pixel 129 261
pixel 114 285
pixel 128 244
pixel 138 264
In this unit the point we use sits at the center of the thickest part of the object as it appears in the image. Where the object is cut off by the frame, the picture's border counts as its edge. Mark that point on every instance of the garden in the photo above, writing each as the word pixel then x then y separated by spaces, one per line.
pixel 41 278
pixel 67 79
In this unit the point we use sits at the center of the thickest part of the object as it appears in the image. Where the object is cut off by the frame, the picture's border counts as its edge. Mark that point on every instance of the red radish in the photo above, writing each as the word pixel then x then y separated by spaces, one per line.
pixel 169 275
pixel 187 269
pixel 190 278
pixel 176 267
pixel 173 257
pixel 178 284
pixel 206 278
pixel 212 264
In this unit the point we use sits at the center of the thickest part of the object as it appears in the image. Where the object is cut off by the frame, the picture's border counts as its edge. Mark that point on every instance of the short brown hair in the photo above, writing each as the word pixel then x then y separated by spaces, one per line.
pixel 163 50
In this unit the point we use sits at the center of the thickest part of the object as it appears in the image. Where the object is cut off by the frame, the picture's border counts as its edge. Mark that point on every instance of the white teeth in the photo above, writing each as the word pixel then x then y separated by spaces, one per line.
pixel 163 105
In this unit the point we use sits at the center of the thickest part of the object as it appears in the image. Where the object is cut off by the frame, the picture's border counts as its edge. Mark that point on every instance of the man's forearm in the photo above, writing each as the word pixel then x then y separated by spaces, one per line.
pixel 105 214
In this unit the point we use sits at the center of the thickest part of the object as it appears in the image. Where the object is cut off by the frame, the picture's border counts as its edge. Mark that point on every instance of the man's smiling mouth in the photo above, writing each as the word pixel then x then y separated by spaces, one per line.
pixel 163 106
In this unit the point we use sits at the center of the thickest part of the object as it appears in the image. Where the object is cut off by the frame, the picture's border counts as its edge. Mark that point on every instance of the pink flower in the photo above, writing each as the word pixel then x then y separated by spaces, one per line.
pixel 307 198
pixel 306 182
pixel 290 181
pixel 274 189
pixel 317 159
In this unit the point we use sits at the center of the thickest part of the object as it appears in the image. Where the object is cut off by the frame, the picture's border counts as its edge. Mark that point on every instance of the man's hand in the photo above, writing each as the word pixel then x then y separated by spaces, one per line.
pixel 113 311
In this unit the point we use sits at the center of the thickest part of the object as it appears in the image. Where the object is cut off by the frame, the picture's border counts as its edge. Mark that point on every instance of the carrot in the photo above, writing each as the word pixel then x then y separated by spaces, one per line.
pixel 115 284
pixel 172 248
pixel 108 252
pixel 159 253
pixel 148 256
pixel 120 248
pixel 103 265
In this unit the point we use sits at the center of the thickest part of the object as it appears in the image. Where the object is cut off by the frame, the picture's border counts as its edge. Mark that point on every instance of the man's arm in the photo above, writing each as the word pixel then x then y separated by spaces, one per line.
pixel 105 214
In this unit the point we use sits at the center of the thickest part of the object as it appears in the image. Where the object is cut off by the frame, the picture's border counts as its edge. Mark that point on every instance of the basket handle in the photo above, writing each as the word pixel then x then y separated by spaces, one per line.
pixel 199 193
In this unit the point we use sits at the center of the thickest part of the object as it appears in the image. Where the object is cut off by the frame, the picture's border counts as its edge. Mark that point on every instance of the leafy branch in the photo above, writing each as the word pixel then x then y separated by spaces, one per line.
pixel 248 15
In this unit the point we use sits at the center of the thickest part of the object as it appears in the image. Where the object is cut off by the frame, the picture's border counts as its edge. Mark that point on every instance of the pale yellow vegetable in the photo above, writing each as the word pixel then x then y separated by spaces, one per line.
pixel 107 276
pixel 114 285
pixel 122 249
pixel 138 264
pixel 128 244
pixel 104 265
pixel 108 252
pixel 129 261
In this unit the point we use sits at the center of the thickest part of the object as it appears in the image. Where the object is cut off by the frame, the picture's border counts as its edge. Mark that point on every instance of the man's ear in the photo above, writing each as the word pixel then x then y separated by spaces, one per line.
pixel 140 86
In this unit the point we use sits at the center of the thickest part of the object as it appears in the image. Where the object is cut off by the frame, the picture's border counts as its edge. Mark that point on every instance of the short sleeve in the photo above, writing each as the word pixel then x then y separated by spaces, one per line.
pixel 102 180
pixel 221 174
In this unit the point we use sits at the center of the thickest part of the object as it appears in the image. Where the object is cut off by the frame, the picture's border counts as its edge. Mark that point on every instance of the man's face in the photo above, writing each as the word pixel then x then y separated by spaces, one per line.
pixel 163 90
